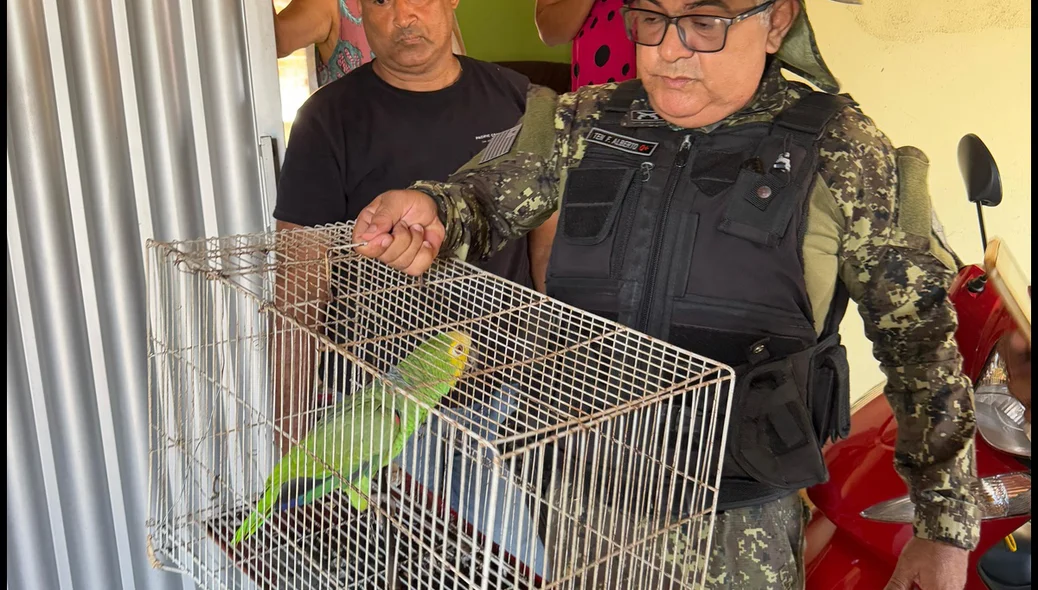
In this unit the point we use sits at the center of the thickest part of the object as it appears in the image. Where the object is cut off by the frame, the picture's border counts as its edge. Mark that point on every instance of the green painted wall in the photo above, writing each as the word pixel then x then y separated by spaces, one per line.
pixel 503 30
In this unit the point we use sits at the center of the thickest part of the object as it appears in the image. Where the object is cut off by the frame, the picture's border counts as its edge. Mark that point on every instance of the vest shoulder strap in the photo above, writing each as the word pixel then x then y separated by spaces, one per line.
pixel 621 98
pixel 811 114
pixel 620 101
pixel 808 119
pixel 837 309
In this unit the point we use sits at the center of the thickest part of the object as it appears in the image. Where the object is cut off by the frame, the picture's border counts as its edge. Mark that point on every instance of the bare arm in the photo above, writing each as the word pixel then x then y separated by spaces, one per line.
pixel 301 296
pixel 303 23
pixel 559 21
pixel 540 241
pixel 1016 350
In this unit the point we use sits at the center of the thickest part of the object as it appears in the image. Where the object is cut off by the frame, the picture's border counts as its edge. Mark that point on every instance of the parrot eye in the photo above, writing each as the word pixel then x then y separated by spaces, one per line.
pixel 458 350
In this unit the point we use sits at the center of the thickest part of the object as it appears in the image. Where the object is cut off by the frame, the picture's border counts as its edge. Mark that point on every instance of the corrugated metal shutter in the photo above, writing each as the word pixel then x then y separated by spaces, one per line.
pixel 127 119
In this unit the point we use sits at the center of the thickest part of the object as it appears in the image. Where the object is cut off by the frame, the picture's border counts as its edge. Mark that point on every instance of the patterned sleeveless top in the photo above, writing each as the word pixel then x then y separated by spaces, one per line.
pixel 601 50
pixel 352 49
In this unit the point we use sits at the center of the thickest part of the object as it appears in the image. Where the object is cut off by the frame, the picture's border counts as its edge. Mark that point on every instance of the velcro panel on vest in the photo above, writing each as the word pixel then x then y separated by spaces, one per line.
pixel 537 135
pixel 714 172
pixel 913 215
pixel 761 205
pixel 592 200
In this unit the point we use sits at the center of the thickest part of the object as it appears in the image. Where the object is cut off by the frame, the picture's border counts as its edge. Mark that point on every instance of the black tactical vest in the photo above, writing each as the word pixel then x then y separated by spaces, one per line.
pixel 696 239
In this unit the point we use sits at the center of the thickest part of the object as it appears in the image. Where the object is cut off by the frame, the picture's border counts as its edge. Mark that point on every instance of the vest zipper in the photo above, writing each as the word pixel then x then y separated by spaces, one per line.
pixel 654 261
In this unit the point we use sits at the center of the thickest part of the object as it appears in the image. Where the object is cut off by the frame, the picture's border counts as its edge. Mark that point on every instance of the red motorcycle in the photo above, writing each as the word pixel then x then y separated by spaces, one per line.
pixel 862 516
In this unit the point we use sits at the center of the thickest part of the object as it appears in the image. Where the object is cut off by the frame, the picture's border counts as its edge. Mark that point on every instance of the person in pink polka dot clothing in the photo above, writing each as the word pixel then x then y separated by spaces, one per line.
pixel 601 50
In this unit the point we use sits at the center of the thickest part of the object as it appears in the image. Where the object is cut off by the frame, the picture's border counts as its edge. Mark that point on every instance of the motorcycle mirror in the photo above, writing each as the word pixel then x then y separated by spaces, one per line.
pixel 979 172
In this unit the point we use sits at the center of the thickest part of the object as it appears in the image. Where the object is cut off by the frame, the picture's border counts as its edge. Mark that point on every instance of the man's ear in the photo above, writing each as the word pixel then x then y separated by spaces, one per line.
pixel 783 15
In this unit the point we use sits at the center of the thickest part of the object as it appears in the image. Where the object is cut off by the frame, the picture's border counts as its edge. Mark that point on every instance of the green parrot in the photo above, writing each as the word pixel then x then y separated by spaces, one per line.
pixel 364 432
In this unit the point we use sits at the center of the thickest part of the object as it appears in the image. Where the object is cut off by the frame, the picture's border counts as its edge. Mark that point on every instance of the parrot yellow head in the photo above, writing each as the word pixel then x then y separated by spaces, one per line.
pixel 440 360
pixel 458 345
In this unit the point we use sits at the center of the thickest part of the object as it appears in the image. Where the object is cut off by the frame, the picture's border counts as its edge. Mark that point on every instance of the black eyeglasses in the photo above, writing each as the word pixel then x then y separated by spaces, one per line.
pixel 697 32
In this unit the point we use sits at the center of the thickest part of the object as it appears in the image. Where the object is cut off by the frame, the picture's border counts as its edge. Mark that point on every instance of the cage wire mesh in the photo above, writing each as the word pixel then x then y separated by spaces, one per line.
pixel 450 431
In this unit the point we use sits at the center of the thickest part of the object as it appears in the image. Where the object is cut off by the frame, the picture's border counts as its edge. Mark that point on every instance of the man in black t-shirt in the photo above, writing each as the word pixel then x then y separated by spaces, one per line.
pixel 416 112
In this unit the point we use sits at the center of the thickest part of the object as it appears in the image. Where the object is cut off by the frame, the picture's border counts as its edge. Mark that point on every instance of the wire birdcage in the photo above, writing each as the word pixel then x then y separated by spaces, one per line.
pixel 448 431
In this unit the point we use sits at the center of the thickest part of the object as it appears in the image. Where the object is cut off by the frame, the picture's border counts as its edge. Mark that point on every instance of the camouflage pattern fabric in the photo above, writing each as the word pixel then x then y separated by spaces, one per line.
pixel 759 547
pixel 753 548
pixel 899 279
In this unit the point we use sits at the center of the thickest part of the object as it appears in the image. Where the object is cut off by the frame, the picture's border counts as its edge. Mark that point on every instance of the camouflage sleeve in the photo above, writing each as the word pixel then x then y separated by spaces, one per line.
pixel 899 275
pixel 512 186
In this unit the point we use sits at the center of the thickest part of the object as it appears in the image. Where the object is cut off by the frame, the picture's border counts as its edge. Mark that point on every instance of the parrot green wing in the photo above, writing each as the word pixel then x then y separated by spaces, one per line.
pixel 362 434
pixel 343 441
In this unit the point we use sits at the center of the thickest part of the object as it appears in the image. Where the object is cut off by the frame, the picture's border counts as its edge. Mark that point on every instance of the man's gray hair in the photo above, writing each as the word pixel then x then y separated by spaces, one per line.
pixel 765 15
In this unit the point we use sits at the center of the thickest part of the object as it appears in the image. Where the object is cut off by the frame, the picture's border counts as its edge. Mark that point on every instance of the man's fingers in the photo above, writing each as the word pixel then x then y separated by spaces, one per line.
pixel 898 583
pixel 903 576
pixel 1017 354
pixel 434 235
pixel 422 260
pixel 430 249
pixel 405 258
pixel 372 226
pixel 363 222
pixel 402 238
pixel 376 246
pixel 402 229
pixel 1018 345
pixel 379 217
pixel 383 221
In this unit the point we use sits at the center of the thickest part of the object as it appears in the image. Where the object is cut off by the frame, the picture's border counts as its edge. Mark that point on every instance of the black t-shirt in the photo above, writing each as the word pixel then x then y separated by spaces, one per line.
pixel 358 137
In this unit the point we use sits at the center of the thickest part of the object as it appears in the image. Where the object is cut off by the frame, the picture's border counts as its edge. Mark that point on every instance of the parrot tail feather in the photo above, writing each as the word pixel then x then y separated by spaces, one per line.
pixel 326 487
pixel 263 509
pixel 249 526
pixel 359 500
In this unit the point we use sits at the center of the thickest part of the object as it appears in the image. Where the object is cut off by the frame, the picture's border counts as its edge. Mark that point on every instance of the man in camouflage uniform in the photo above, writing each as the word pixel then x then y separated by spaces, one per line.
pixel 638 165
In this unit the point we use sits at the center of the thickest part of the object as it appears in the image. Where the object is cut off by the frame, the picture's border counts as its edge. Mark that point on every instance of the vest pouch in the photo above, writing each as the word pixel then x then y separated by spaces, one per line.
pixel 592 199
pixel 763 199
pixel 773 440
pixel 592 202
pixel 829 390
pixel 759 208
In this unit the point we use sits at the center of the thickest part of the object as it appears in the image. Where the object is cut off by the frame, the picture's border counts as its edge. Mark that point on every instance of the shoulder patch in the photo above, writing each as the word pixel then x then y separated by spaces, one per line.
pixel 500 144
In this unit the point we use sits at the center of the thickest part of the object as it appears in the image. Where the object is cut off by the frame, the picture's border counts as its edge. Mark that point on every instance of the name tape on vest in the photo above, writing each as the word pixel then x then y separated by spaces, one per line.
pixel 631 145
